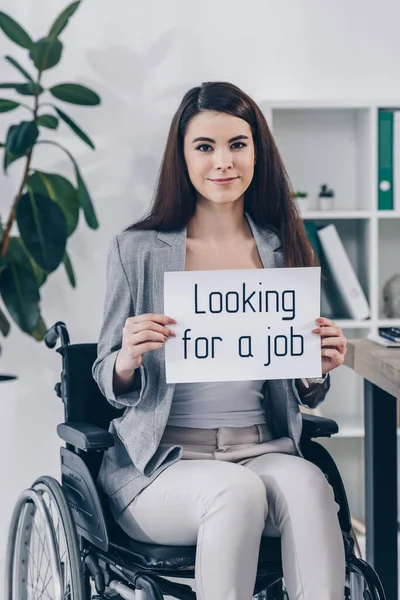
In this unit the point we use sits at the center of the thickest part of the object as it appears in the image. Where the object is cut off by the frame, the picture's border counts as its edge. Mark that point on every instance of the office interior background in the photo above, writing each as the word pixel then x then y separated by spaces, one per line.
pixel 319 70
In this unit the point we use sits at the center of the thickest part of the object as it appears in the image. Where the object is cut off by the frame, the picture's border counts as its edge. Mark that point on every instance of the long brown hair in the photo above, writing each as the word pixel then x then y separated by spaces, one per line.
pixel 269 199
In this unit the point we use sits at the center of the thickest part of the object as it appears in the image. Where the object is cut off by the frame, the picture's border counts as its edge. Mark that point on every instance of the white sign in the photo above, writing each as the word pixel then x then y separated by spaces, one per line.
pixel 243 324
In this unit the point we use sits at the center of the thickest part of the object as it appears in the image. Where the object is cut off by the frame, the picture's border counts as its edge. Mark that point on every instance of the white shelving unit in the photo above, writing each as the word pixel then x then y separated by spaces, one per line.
pixel 336 143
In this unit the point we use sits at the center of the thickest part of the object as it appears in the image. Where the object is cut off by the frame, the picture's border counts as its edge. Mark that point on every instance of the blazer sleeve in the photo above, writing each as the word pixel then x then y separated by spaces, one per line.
pixel 118 306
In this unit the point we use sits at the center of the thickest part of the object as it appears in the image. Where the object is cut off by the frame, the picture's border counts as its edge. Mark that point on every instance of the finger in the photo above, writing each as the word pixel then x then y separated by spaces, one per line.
pixel 334 355
pixel 324 322
pixel 162 319
pixel 336 342
pixel 328 331
pixel 147 336
pixel 134 327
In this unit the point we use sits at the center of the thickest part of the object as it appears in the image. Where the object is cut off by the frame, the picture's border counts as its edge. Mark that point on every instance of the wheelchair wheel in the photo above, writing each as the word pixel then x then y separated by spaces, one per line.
pixel 43 555
pixel 362 582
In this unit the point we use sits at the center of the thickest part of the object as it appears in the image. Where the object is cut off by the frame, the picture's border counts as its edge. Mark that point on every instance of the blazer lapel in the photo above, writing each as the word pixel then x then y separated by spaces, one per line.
pixel 266 241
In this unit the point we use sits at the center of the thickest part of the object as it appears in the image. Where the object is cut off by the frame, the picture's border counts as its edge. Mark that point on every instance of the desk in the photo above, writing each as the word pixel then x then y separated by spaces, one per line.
pixel 380 368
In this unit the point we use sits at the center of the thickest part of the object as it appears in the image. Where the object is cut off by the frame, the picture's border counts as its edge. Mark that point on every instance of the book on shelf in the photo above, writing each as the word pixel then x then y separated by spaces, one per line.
pixel 345 293
pixel 385 159
pixel 396 160
pixel 389 160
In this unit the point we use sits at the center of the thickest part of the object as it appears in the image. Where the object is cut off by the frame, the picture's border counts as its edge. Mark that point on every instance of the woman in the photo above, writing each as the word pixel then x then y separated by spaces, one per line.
pixel 215 464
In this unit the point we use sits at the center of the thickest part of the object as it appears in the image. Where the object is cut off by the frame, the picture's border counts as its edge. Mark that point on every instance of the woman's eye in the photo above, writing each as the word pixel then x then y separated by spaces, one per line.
pixel 204 147
pixel 238 145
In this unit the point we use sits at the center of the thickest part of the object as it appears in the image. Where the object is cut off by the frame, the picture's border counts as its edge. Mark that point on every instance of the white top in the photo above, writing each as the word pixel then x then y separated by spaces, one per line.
pixel 211 405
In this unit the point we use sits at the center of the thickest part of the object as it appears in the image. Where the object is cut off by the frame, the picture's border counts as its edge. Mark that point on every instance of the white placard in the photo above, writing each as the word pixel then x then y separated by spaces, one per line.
pixel 240 325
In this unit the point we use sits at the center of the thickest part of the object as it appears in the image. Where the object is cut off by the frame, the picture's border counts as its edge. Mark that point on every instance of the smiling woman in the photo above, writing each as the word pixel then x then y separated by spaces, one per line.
pixel 225 160
pixel 220 153
pixel 223 201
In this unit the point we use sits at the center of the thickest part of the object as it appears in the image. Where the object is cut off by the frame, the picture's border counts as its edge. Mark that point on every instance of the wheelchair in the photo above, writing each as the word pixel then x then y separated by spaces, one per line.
pixel 63 543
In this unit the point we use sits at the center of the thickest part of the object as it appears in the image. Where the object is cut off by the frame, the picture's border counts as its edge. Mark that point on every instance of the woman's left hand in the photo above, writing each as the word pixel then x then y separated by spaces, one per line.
pixel 333 344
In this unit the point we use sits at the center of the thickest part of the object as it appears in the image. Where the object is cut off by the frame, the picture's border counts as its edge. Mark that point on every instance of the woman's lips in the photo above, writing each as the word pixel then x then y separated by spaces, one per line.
pixel 224 181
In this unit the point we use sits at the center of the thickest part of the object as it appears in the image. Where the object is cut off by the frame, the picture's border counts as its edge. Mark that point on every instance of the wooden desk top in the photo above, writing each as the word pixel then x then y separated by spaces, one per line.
pixel 376 363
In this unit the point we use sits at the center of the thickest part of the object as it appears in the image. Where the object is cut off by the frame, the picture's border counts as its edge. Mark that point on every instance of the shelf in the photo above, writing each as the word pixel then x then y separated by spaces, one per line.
pixel 318 215
pixel 322 215
pixel 388 214
pixel 388 323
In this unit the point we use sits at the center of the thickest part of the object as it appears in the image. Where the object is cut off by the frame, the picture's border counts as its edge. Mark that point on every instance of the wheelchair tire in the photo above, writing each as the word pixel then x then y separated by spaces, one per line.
pixel 362 582
pixel 43 558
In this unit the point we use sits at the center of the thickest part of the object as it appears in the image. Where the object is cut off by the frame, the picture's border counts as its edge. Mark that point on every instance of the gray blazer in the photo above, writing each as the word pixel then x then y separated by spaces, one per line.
pixel 135 279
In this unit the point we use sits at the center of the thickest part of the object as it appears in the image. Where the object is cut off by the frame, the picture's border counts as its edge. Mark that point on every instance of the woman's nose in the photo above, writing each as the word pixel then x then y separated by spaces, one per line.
pixel 223 160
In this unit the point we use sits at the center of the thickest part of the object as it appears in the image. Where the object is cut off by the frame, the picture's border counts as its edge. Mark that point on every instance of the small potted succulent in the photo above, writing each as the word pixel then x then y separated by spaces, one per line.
pixel 302 201
pixel 325 198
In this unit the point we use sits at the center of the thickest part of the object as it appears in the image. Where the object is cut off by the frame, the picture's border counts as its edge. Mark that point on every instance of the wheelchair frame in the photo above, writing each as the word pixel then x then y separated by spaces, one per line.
pixel 100 551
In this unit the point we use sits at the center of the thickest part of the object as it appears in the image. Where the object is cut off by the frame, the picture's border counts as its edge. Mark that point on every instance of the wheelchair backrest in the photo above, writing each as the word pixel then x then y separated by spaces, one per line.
pixel 80 393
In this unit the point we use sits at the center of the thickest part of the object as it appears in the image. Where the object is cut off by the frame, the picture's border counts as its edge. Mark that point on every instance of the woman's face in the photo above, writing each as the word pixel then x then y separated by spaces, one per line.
pixel 219 154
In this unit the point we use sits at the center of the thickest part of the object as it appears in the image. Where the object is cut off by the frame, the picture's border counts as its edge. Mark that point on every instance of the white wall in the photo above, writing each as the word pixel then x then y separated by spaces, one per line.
pixel 141 57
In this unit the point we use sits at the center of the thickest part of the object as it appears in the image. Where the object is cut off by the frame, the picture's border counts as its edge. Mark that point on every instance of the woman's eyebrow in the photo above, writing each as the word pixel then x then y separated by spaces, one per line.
pixel 234 139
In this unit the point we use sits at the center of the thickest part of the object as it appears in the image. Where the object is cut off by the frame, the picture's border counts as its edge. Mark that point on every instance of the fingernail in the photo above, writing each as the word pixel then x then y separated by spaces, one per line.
pixel 172 333
pixel 316 330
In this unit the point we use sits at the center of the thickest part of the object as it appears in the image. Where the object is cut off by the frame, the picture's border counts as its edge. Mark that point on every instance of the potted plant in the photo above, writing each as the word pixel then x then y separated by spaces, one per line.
pixel 325 198
pixel 46 207
pixel 302 201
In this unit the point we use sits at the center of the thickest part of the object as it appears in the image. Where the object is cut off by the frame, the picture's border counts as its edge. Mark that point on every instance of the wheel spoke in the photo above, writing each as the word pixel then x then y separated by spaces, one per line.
pixel 34 525
pixel 41 592
pixel 41 559
pixel 61 541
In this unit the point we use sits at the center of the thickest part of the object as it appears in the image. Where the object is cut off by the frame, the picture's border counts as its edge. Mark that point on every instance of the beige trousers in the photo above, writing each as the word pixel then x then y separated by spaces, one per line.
pixel 225 507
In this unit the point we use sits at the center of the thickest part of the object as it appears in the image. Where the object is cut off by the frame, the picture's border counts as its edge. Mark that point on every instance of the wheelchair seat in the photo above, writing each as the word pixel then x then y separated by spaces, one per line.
pixel 176 558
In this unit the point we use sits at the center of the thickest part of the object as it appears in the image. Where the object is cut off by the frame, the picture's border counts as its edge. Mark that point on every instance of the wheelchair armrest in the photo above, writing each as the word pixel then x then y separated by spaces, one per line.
pixel 314 426
pixel 85 435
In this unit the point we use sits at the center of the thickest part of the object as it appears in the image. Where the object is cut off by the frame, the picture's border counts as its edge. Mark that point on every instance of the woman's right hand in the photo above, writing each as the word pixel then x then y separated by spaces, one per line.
pixel 141 334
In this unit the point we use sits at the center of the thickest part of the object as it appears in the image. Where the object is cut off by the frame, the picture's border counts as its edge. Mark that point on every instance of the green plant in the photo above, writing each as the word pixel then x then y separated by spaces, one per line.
pixel 46 206
pixel 301 194
pixel 325 192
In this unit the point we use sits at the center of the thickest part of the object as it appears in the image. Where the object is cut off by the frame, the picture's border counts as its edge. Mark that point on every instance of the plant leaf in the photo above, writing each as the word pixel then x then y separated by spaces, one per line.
pixel 7 105
pixel 21 296
pixel 4 324
pixel 61 191
pixel 9 85
pixel 49 121
pixel 39 332
pixel 46 53
pixel 29 89
pixel 20 139
pixel 18 254
pixel 15 32
pixel 26 89
pixel 69 269
pixel 75 94
pixel 43 229
pixel 19 67
pixel 75 128
pixel 62 20
pixel 83 194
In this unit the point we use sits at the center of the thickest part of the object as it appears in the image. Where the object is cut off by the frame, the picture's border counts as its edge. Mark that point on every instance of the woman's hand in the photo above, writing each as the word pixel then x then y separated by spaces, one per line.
pixel 141 334
pixel 333 344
